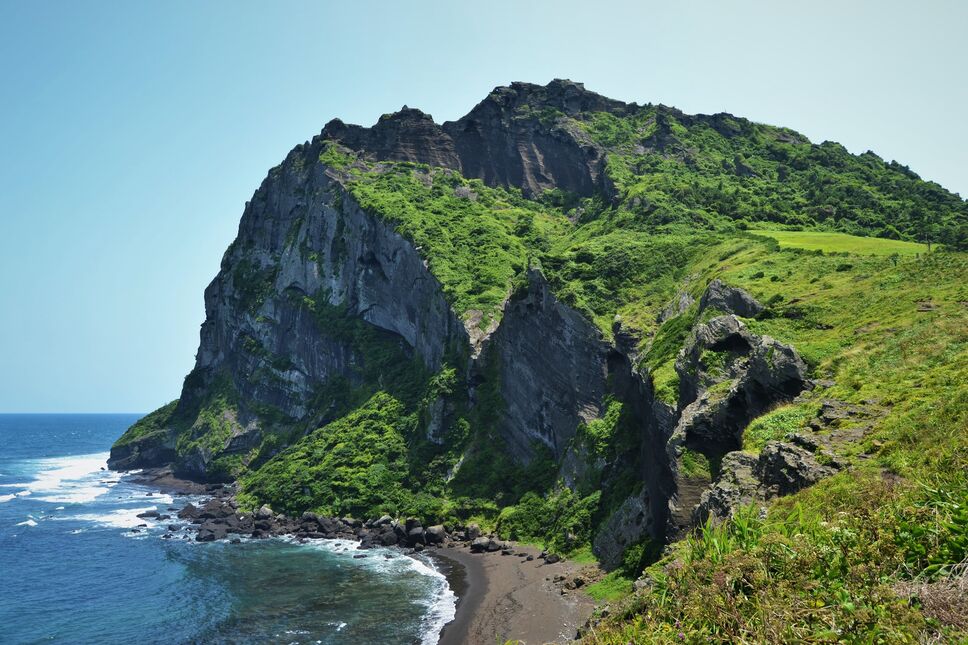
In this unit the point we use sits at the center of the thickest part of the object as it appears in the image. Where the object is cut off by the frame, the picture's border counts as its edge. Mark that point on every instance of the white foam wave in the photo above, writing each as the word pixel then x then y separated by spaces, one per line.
pixel 29 522
pixel 69 480
pixel 441 603
pixel 155 498
pixel 20 493
pixel 441 607
pixel 123 518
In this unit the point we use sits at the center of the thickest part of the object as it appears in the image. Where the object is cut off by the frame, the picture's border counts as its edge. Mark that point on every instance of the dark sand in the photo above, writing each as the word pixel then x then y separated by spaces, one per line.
pixel 504 597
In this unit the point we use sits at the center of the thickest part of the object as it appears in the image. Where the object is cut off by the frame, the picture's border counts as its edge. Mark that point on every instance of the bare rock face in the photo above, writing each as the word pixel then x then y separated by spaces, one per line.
pixel 147 452
pixel 553 370
pixel 632 521
pixel 302 241
pixel 781 468
pixel 727 377
pixel 728 299
pixel 736 486
pixel 746 373
pixel 676 306
pixel 512 138
pixel 785 468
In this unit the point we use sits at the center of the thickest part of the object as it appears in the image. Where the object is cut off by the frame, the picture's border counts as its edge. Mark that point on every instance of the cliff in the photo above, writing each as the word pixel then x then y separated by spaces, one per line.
pixel 547 313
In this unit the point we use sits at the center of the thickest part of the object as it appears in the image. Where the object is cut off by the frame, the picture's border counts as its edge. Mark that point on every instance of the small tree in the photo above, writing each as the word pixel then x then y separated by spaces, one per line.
pixel 927 224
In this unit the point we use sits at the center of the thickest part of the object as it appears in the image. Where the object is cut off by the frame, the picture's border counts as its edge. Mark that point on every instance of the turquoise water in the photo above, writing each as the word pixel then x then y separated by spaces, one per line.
pixel 74 570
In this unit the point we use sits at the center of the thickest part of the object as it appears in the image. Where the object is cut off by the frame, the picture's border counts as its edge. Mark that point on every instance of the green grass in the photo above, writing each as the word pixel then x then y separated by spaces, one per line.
pixel 613 587
pixel 777 424
pixel 152 425
pixel 842 243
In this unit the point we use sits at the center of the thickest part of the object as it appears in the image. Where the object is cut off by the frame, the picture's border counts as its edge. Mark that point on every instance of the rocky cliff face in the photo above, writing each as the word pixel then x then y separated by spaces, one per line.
pixel 308 259
pixel 494 142
pixel 553 370
pixel 303 241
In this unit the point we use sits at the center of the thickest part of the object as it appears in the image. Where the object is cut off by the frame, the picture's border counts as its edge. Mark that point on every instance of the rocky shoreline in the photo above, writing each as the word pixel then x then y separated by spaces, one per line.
pixel 485 572
pixel 220 518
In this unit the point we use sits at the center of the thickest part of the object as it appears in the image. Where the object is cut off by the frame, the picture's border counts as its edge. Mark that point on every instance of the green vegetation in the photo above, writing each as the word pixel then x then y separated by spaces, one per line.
pixel 694 464
pixel 354 465
pixel 777 424
pixel 673 170
pixel 151 425
pixel 825 564
pixel 561 520
pixel 841 243
pixel 613 587
pixel 600 434
pixel 475 238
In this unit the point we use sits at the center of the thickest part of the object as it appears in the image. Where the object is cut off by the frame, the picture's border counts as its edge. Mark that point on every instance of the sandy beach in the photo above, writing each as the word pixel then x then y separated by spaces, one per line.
pixel 506 597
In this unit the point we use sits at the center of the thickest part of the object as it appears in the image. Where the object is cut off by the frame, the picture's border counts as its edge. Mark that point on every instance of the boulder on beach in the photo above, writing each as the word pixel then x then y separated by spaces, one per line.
pixel 416 535
pixel 435 534
pixel 479 544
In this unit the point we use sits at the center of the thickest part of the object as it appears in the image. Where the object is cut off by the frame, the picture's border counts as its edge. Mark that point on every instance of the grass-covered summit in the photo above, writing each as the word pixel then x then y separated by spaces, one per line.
pixel 498 320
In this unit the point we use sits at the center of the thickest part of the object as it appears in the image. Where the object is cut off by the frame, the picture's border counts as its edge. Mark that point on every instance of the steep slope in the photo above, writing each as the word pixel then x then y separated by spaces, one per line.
pixel 548 317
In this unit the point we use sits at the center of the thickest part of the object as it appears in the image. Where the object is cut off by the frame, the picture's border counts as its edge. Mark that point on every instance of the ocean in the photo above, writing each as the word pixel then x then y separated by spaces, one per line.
pixel 76 567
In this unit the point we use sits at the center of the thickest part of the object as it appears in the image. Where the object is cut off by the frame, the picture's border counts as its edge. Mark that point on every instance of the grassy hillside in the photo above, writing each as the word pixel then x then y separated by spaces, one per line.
pixel 842 243
pixel 671 169
pixel 834 562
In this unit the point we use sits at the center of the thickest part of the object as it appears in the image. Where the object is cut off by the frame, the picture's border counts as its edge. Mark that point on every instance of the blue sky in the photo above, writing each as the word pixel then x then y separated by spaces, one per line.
pixel 132 133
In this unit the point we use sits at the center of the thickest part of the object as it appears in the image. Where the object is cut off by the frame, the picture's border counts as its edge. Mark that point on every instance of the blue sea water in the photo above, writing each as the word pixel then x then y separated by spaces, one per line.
pixel 75 567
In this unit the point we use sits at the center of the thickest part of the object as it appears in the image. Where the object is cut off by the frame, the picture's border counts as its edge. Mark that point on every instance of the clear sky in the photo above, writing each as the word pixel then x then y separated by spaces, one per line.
pixel 132 133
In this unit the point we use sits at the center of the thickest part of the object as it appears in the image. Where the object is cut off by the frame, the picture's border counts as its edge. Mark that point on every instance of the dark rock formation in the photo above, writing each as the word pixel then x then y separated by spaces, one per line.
pixel 781 468
pixel 304 243
pixel 731 300
pixel 553 367
pixel 494 141
pixel 146 452
pixel 727 377
pixel 785 468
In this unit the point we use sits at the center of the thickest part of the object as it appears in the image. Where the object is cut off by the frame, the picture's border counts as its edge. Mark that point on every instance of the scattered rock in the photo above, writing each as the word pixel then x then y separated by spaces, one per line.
pixel 676 306
pixel 189 512
pixel 730 300
pixel 479 545
pixel 786 468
